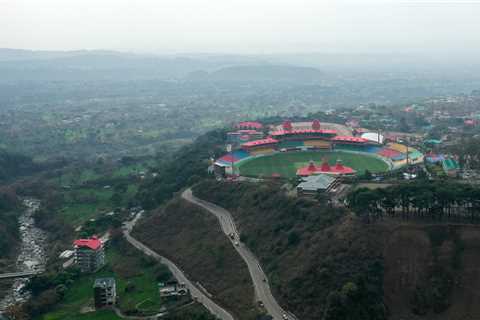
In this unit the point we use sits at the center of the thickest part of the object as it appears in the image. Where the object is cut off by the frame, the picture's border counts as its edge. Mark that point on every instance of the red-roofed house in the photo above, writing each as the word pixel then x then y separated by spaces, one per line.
pixel 336 170
pixel 469 122
pixel 89 254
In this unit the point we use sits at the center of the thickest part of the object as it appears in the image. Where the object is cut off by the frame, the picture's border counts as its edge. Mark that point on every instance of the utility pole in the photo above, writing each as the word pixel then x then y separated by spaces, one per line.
pixel 406 144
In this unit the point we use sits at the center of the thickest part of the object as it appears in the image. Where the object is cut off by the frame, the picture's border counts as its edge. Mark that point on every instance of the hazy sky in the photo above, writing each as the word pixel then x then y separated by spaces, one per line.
pixel 241 26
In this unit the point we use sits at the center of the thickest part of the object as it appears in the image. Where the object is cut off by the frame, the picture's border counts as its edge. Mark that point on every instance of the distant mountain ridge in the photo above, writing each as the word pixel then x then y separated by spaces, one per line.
pixel 260 72
pixel 7 54
pixel 88 65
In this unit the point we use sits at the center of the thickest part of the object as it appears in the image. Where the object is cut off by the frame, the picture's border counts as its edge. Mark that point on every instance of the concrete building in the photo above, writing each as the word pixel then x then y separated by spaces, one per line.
pixel 104 292
pixel 313 185
pixel 89 254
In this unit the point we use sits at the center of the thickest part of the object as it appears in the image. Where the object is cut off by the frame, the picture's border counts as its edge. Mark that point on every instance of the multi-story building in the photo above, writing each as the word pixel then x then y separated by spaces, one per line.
pixel 89 254
pixel 104 292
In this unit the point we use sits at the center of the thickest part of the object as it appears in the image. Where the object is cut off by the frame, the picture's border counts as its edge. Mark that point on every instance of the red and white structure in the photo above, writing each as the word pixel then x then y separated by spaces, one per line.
pixel 89 254
pixel 336 170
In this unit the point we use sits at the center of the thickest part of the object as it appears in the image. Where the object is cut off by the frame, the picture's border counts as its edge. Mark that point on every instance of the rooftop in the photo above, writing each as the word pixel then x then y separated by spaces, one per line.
pixel 259 142
pixel 302 131
pixel 350 139
pixel 337 169
pixel 104 282
pixel 93 243
pixel 316 182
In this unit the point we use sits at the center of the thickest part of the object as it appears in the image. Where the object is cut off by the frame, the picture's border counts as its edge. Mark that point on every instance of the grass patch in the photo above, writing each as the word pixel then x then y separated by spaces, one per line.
pixel 124 171
pixel 98 315
pixel 287 163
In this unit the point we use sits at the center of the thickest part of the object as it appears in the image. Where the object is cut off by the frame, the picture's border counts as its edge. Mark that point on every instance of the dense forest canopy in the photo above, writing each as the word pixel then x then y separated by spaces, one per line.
pixel 8 219
pixel 423 199
pixel 14 164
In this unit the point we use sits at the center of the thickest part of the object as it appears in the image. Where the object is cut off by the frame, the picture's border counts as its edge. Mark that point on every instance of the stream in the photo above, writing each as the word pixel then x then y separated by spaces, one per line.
pixel 32 254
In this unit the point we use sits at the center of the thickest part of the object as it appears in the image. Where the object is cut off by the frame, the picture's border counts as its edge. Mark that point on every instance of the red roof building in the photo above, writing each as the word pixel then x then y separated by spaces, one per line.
pixel 89 255
pixel 261 142
pixel 93 243
pixel 303 131
pixel 325 168
pixel 469 122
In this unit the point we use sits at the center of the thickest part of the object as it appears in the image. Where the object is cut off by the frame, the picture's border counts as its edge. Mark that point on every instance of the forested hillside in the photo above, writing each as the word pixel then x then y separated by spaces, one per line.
pixel 182 169
pixel 14 164
pixel 193 239
pixel 328 264
pixel 322 263
pixel 8 222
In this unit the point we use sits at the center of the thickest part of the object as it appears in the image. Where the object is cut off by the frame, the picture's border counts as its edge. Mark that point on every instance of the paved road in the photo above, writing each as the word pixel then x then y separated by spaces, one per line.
pixel 24 274
pixel 202 298
pixel 260 281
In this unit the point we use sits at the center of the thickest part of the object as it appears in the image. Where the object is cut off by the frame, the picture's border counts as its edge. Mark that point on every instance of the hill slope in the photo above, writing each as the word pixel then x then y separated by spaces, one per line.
pixel 8 223
pixel 13 165
pixel 192 239
pixel 328 265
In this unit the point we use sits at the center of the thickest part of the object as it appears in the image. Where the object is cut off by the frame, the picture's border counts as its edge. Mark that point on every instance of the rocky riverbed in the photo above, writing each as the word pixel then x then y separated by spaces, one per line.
pixel 32 256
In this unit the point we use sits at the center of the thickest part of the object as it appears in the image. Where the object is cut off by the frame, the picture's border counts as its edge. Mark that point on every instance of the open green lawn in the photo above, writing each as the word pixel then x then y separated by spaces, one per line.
pixel 287 163
pixel 82 204
pixel 99 315
pixel 124 171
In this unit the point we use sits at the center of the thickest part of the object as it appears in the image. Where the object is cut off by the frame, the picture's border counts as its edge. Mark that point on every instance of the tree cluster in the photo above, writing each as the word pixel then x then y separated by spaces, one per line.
pixel 185 167
pixel 423 199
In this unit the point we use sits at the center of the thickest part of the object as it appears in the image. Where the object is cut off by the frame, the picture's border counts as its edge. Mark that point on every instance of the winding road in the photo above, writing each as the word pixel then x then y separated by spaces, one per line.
pixel 259 279
pixel 201 297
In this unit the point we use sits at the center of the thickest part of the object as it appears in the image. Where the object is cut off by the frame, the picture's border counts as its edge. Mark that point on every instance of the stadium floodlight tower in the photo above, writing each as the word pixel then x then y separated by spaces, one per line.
pixel 405 141
pixel 229 150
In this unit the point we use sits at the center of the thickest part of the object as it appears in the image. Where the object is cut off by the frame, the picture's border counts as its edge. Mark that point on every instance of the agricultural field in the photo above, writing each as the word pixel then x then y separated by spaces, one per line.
pixel 286 164
pixel 89 193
